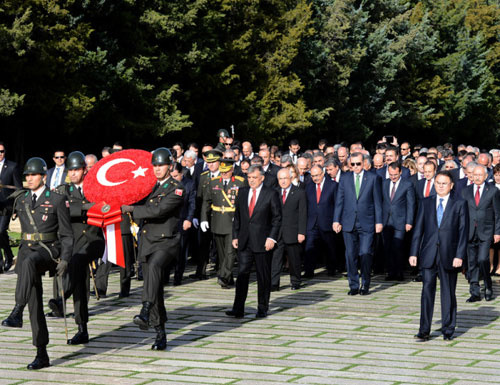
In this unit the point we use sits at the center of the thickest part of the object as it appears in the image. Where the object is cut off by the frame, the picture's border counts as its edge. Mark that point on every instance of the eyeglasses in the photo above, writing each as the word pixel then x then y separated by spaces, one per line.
pixel 356 163
pixel 2 151
pixel 59 157
pixel 404 149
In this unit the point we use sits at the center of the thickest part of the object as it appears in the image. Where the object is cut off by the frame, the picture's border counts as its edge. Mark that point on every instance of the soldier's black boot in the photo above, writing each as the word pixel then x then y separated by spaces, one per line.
pixel 142 319
pixel 15 319
pixel 161 338
pixel 41 359
pixel 55 304
pixel 81 337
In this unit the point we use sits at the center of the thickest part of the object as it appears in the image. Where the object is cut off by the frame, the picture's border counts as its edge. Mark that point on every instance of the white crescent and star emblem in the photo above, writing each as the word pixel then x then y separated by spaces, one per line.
pixel 102 173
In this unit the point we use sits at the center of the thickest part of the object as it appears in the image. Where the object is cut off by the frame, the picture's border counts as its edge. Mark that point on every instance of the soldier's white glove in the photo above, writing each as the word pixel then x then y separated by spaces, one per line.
pixel 204 226
pixel 196 223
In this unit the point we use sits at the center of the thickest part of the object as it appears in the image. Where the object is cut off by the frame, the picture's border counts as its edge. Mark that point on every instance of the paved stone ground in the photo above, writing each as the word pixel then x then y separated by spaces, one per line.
pixel 317 335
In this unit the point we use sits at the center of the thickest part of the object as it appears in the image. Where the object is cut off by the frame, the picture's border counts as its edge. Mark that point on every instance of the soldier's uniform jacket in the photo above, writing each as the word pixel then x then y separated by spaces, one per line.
pixel 218 204
pixel 78 206
pixel 159 217
pixel 52 219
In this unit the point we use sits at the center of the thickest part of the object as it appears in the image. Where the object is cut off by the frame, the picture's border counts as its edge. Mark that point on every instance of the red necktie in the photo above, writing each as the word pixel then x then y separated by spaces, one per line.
pixel 427 188
pixel 334 179
pixel 318 192
pixel 477 197
pixel 251 206
pixel 284 196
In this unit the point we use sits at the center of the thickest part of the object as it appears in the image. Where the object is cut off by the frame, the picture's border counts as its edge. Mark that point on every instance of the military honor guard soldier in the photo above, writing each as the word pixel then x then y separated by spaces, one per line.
pixel 46 245
pixel 88 246
pixel 159 242
pixel 217 213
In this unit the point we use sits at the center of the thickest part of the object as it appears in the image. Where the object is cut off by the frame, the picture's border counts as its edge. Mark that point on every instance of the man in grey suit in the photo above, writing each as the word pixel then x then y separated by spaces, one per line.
pixel 483 201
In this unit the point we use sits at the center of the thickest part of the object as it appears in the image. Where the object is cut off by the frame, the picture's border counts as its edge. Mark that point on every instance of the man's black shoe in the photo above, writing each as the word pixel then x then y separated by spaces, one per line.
pixel 160 340
pixel 56 306
pixel 177 282
pixel 353 292
pixel 261 314
pixel 123 294
pixel 422 337
pixel 41 360
pixel 15 319
pixel 447 337
pixel 488 296
pixel 232 313
pixel 364 292
pixel 142 319
pixel 81 337
pixel 418 278
pixel 473 298
pixel 7 265
pixel 295 287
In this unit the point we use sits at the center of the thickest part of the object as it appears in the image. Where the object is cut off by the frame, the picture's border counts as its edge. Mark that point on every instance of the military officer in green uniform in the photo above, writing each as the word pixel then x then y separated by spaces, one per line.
pixel 159 242
pixel 88 246
pixel 217 214
pixel 222 135
pixel 46 245
pixel 212 158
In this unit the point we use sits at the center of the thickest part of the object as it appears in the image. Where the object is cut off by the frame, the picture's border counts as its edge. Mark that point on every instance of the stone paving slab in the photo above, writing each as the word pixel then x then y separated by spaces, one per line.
pixel 316 335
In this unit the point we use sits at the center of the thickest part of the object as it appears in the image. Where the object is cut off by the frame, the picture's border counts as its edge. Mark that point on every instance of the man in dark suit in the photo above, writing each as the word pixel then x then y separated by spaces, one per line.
pixel 9 175
pixel 398 211
pixel 270 179
pixel 185 220
pixel 256 226
pixel 56 175
pixel 320 195
pixel 425 187
pixel 293 230
pixel 392 155
pixel 483 201
pixel 440 243
pixel 358 212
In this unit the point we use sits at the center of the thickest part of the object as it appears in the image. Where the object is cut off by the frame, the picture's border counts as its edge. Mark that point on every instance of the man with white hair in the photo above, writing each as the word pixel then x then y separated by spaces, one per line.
pixel 189 161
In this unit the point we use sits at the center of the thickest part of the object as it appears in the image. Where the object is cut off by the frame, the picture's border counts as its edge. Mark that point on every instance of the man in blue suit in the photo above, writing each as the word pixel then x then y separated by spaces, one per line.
pixel 440 242
pixel 398 210
pixel 320 207
pixel 392 155
pixel 358 212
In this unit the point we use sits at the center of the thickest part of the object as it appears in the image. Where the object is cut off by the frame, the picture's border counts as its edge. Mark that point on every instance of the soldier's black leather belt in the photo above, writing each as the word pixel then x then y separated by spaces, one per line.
pixel 44 237
pixel 223 209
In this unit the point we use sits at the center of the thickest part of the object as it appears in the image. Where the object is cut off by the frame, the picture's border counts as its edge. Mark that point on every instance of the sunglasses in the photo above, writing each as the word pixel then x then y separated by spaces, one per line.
pixel 356 163
pixel 59 157
pixel 2 151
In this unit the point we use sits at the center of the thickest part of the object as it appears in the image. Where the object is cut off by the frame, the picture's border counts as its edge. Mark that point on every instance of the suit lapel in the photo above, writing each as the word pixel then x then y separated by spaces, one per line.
pixel 485 191
pixel 448 208
pixel 363 184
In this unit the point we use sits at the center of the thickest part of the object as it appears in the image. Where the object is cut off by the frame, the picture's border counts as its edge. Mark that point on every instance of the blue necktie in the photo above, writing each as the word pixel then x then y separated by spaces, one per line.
pixel 56 181
pixel 440 211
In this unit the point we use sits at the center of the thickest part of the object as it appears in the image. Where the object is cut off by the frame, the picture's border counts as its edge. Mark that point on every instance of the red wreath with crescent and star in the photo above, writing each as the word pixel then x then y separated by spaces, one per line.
pixel 122 178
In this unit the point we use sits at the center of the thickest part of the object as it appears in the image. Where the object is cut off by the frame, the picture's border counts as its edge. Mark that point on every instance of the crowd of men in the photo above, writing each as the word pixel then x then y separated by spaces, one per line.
pixel 433 210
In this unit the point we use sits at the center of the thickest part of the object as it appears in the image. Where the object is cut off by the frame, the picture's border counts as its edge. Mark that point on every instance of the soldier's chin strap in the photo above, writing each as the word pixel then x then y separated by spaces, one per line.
pixel 33 224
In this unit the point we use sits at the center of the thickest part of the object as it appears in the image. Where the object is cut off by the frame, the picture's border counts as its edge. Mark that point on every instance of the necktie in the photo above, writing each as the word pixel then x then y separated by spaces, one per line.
pixel 33 201
pixel 477 197
pixel 334 179
pixel 358 184
pixel 225 185
pixel 318 193
pixel 80 191
pixel 56 180
pixel 251 206
pixel 427 188
pixel 440 211
pixel 284 196
pixel 157 186
pixel 393 192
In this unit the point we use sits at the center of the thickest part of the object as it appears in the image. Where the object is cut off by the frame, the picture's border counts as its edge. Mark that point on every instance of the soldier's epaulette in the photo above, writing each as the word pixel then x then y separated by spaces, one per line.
pixel 216 177
pixel 47 192
pixel 240 178
pixel 174 182
pixel 18 193
pixel 205 172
